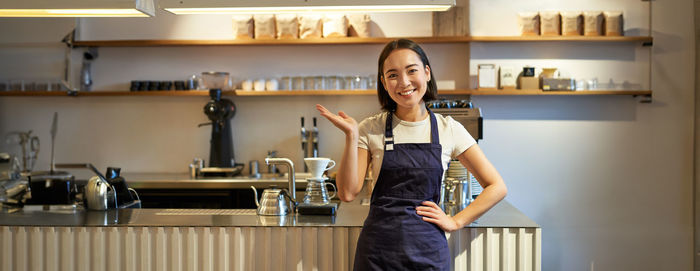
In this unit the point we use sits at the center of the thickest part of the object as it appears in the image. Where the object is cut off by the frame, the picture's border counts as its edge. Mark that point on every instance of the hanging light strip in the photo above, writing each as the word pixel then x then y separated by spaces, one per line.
pixel 324 9
pixel 301 6
pixel 71 13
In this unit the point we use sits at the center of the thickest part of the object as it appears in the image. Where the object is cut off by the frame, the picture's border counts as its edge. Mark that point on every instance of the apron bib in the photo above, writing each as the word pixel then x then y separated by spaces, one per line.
pixel 394 237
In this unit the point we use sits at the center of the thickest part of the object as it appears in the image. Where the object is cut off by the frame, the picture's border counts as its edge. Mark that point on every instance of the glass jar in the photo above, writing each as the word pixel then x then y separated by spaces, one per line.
pixel 349 82
pixel 319 84
pixel 334 82
pixel 285 83
pixel 297 83
pixel 308 83
pixel 372 81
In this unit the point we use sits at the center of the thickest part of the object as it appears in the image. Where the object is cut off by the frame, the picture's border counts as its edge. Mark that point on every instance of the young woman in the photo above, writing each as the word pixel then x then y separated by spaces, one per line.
pixel 409 147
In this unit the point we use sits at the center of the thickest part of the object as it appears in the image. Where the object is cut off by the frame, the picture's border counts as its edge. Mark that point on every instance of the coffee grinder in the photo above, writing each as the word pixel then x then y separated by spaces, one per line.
pixel 219 111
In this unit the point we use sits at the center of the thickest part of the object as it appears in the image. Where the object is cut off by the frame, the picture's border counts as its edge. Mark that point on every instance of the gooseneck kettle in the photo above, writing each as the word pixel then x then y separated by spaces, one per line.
pixel 99 194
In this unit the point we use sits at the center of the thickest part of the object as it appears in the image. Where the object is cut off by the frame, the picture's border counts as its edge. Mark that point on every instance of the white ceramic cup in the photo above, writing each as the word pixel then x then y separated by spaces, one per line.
pixel 318 165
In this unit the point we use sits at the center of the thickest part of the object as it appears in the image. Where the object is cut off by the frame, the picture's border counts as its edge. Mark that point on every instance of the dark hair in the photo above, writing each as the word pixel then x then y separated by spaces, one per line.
pixel 384 99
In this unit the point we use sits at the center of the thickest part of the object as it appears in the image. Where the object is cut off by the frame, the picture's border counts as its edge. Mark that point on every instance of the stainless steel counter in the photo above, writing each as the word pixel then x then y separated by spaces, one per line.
pixel 183 181
pixel 503 215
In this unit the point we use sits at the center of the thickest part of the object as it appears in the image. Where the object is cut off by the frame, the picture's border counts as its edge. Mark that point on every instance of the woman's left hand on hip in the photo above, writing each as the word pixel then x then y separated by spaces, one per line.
pixel 432 213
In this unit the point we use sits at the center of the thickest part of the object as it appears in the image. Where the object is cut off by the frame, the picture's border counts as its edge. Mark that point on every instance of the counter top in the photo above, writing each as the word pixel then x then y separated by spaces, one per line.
pixel 502 215
pixel 183 181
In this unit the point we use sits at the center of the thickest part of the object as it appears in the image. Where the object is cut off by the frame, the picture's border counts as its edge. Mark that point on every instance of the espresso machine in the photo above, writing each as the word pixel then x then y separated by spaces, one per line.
pixel 459 185
pixel 220 112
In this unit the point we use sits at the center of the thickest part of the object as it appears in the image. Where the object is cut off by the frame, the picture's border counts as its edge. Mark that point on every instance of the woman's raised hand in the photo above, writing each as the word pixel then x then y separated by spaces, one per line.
pixel 344 122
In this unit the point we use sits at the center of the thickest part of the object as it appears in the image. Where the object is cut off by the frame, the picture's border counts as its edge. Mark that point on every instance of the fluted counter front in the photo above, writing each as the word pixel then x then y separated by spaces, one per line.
pixel 190 239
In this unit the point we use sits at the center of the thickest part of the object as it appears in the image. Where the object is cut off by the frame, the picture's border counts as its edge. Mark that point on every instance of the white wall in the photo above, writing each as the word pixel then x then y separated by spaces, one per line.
pixel 607 178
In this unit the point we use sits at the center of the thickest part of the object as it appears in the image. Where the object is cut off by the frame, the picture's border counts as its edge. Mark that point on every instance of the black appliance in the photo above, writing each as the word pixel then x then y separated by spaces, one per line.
pixel 51 187
pixel 220 111
pixel 125 199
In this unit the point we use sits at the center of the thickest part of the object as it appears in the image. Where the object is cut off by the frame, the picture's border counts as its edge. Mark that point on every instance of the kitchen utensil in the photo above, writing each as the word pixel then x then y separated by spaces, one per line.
pixel 274 201
pixel 308 83
pixel 220 112
pixel 196 167
pixel 285 83
pixel 51 187
pixel 126 196
pixel 317 208
pixel 259 84
pixel 214 80
pixel 462 194
pixel 297 83
pixel 316 192
pixel 9 167
pixel 192 83
pixel 447 189
pixel 85 72
pixel 253 165
pixel 29 145
pixel 318 165
pixel 290 174
pixel 99 194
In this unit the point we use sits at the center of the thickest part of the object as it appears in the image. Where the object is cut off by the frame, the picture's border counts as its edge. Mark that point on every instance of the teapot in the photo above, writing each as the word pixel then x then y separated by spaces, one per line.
pixel 98 195
pixel 274 201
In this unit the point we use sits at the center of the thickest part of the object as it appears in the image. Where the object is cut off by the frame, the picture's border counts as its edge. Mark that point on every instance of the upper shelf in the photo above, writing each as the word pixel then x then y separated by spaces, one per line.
pixel 356 40
pixel 562 38
pixel 489 92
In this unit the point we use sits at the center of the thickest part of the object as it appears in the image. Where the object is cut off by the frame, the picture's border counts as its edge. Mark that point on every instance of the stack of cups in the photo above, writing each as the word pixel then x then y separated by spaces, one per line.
pixel 316 191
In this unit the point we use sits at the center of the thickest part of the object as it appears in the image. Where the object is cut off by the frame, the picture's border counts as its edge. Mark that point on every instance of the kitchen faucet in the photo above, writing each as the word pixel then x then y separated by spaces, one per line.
pixel 290 173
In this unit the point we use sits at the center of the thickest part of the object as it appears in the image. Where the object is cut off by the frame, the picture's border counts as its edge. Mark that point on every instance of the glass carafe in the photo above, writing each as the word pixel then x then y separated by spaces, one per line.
pixel 316 192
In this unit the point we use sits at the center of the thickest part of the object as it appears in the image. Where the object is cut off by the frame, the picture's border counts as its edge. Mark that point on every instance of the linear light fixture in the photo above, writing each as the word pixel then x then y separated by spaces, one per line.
pixel 301 6
pixel 77 8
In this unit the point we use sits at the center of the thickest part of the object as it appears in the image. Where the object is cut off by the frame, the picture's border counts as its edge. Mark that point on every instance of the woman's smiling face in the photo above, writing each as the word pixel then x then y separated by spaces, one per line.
pixel 405 77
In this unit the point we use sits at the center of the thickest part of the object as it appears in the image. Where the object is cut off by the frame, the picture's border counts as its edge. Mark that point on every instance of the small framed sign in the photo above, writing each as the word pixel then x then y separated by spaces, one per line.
pixel 487 77
pixel 508 77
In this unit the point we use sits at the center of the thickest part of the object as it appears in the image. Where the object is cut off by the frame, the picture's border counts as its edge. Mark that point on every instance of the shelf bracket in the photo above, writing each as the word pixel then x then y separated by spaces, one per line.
pixel 647 43
pixel 644 99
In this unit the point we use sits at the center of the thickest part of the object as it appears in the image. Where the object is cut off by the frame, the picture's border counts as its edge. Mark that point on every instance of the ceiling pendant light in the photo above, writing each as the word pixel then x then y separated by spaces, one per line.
pixel 301 6
pixel 77 8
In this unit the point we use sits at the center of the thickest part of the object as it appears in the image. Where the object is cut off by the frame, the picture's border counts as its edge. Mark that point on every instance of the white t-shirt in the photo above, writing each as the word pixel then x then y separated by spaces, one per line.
pixel 454 138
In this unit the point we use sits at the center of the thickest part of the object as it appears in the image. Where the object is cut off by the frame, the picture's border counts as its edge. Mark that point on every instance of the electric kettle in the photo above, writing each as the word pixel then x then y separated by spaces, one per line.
pixel 274 201
pixel 99 194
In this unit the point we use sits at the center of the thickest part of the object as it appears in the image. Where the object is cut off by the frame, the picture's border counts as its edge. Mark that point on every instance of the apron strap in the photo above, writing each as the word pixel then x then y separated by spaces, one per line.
pixel 389 134
pixel 434 137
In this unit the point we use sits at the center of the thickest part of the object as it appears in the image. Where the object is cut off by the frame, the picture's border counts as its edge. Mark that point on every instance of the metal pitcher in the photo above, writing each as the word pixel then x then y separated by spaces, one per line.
pixel 274 201
pixel 99 194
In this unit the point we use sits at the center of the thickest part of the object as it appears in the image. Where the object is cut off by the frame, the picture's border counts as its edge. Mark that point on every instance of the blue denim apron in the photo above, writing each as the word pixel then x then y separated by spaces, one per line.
pixel 394 236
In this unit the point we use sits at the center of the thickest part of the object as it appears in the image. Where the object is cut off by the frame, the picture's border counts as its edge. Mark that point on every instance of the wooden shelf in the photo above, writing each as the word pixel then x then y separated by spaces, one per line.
pixel 556 92
pixel 368 92
pixel 306 92
pixel 107 93
pixel 562 38
pixel 354 40
pixel 323 41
